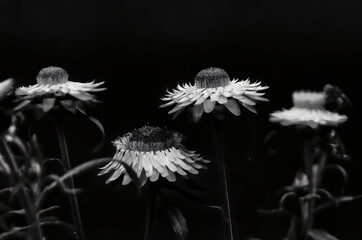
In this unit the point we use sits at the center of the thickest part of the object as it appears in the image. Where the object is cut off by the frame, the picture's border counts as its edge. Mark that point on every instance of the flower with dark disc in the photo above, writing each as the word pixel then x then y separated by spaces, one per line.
pixel 308 110
pixel 151 152
pixel 212 89
pixel 53 90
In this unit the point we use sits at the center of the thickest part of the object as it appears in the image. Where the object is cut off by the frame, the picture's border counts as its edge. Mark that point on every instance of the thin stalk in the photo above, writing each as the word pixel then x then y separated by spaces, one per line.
pixel 150 211
pixel 77 221
pixel 222 178
pixel 292 229
pixel 313 178
pixel 31 215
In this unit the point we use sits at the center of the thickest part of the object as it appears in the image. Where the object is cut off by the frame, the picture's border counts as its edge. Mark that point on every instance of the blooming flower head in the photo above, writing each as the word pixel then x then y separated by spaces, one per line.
pixel 308 110
pixel 151 152
pixel 53 89
pixel 211 90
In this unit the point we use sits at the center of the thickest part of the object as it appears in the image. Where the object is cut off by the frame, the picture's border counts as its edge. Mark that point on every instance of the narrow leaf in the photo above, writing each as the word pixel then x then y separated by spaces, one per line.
pixel 318 234
pixel 47 210
pixel 14 232
pixel 92 164
pixel 178 221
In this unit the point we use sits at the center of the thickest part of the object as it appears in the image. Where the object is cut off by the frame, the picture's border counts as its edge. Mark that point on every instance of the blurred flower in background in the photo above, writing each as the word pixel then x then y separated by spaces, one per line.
pixel 6 97
pixel 308 110
pixel 211 90
pixel 151 152
pixel 53 89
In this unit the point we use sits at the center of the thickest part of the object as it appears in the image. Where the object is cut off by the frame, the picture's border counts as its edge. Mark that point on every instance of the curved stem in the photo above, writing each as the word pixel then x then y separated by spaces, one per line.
pixel 222 178
pixel 79 234
pixel 31 215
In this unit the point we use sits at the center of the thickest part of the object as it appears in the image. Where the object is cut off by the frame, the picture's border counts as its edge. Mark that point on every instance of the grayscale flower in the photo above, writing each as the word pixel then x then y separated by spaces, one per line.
pixel 53 89
pixel 151 152
pixel 308 110
pixel 212 88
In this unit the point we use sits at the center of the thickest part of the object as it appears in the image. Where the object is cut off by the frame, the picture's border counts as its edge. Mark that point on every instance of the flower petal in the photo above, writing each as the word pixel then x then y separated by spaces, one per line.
pixel 48 104
pixel 214 97
pixel 115 175
pixel 209 105
pixel 233 106
pixel 126 179
pixel 197 112
pixel 222 100
pixel 171 177
pixel 250 108
pixel 200 100
pixel 154 176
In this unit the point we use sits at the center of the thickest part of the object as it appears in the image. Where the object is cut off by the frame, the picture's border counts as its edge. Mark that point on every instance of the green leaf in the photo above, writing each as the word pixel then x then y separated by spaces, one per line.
pixel 319 234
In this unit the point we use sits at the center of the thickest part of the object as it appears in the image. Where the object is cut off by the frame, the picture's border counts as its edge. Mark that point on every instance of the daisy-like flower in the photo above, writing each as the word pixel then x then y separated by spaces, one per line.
pixel 151 152
pixel 211 90
pixel 53 89
pixel 308 110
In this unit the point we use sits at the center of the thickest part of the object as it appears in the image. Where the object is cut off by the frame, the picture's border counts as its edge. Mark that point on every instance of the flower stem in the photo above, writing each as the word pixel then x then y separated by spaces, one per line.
pixel 150 211
pixel 31 215
pixel 292 232
pixel 309 204
pixel 77 221
pixel 222 178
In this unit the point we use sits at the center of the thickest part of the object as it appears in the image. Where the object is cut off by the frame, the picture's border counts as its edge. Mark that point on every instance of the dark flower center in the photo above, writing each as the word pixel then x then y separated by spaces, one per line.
pixel 212 78
pixel 150 138
pixel 51 76
pixel 149 134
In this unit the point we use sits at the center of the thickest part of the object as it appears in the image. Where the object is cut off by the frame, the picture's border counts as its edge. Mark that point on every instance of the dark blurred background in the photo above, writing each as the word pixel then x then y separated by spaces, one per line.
pixel 141 48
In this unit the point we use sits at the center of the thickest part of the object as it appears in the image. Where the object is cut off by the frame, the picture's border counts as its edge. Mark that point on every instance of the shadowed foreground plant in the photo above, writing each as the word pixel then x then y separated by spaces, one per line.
pixel 323 151
pixel 213 92
pixel 28 183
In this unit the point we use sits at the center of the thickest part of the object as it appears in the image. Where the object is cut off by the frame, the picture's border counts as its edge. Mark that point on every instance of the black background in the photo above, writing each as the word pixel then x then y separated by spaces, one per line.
pixel 141 48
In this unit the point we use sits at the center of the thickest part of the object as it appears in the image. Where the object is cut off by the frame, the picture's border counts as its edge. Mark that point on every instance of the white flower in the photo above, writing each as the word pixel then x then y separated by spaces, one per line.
pixel 53 87
pixel 308 110
pixel 212 88
pixel 151 152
